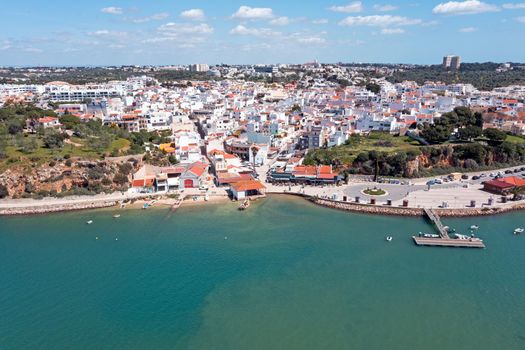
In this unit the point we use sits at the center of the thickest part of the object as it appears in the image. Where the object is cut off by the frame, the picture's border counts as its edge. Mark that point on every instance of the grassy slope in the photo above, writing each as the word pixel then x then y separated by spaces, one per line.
pixel 381 142
pixel 15 157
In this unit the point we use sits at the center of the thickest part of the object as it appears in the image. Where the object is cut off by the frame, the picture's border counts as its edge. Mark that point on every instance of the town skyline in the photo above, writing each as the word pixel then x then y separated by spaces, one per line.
pixel 258 32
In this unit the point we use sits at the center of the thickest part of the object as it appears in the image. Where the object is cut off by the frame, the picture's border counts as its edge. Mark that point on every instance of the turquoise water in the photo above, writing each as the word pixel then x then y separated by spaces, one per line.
pixel 283 275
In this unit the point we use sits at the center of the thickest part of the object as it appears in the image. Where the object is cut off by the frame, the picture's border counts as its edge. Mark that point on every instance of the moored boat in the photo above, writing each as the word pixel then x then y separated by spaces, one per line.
pixel 244 205
pixel 519 230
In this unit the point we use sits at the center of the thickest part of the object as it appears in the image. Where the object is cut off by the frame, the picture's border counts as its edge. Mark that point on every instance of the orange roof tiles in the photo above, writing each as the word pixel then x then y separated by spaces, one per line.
pixel 247 185
pixel 514 180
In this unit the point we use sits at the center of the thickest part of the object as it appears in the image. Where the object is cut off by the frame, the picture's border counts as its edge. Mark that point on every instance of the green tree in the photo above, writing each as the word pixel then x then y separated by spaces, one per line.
pixel 120 179
pixel 29 145
pixel 373 87
pixel 494 135
pixel 53 139
pixel 3 191
pixel 469 132
pixel 69 121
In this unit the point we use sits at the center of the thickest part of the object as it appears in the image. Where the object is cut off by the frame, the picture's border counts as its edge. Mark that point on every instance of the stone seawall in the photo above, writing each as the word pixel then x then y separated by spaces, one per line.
pixel 401 211
pixel 57 208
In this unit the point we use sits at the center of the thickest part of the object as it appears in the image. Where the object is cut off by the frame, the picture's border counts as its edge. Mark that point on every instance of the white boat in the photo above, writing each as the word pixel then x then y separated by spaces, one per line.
pixel 389 238
pixel 462 237
pixel 474 227
pixel 519 230
pixel 89 222
pixel 431 235
pixel 116 216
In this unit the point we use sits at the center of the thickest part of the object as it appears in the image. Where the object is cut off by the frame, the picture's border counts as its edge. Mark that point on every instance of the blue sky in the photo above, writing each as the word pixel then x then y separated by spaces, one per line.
pixel 160 32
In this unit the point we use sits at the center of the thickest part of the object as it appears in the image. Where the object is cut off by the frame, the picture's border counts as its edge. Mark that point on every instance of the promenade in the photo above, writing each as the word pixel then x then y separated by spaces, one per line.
pixel 455 195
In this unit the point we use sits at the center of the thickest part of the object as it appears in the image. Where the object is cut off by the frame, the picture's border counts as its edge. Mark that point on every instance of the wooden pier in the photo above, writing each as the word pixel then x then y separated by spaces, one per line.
pixel 444 240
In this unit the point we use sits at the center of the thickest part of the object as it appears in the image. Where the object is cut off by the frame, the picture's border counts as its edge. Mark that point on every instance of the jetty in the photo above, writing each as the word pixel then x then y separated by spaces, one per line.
pixel 444 239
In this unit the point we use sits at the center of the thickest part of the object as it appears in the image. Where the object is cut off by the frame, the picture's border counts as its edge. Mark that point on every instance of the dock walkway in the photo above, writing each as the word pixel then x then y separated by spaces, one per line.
pixel 444 240
pixel 434 217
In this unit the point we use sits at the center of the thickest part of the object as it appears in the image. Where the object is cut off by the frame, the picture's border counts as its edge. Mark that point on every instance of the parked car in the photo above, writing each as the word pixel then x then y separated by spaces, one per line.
pixel 475 177
pixel 508 171
pixel 464 177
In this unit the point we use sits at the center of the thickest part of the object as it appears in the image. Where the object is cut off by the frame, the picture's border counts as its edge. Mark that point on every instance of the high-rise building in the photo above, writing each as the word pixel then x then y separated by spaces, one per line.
pixel 451 62
pixel 200 67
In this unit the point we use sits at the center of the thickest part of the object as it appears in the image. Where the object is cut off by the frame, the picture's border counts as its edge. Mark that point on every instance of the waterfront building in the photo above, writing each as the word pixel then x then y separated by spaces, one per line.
pixel 247 188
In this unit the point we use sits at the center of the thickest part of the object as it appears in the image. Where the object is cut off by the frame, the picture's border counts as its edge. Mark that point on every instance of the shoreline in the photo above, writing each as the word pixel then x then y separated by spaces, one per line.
pixel 138 202
pixel 413 212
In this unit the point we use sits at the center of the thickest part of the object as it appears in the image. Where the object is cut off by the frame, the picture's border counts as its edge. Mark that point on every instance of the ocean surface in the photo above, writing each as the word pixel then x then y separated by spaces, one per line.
pixel 285 274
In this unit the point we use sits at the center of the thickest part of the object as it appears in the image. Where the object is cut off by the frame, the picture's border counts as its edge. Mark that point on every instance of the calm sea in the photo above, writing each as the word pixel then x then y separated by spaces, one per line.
pixel 285 274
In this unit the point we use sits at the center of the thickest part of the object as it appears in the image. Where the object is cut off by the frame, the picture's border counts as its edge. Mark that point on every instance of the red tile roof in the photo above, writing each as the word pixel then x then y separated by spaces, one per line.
pixel 514 180
pixel 247 185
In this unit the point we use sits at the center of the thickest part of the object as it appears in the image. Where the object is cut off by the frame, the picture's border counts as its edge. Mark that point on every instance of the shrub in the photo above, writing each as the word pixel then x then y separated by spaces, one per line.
pixel 3 191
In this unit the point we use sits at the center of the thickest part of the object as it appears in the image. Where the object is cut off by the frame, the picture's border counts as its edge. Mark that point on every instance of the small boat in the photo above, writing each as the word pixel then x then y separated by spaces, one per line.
pixel 244 205
pixel 519 230
pixel 431 235
pixel 116 216
pixel 89 222
pixel 474 227
pixel 389 238
pixel 145 206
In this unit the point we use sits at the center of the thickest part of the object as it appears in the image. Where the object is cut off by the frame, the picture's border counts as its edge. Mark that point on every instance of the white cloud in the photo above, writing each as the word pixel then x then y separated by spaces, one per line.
pixel 116 46
pixel 112 10
pixel 379 21
pixel 159 39
pixel 261 46
pixel 391 31
pixel 468 30
pixel 177 28
pixel 193 14
pixel 320 21
pixel 521 19
pixel 312 40
pixel 33 50
pixel 243 30
pixel 468 7
pixel 353 7
pixel 108 33
pixel 520 6
pixel 5 45
pixel 247 12
pixel 280 21
pixel 385 8
pixel 155 17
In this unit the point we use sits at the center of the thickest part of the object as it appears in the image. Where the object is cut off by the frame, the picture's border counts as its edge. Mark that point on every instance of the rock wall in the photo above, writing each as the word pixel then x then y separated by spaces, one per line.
pixel 401 211
pixel 56 208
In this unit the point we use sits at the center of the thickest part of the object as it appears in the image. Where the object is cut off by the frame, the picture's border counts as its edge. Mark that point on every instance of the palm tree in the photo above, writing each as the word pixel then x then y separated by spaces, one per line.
pixel 517 192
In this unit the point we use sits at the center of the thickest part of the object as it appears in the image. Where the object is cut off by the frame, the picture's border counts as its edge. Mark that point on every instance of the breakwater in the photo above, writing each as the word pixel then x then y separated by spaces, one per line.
pixel 404 211
pixel 54 208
